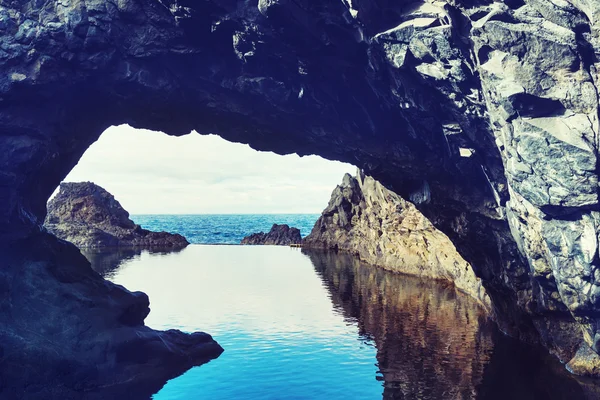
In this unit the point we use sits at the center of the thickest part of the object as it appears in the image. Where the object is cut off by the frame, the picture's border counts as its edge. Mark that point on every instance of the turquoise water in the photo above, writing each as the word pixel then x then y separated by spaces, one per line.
pixel 301 324
pixel 297 324
pixel 223 228
pixel 269 310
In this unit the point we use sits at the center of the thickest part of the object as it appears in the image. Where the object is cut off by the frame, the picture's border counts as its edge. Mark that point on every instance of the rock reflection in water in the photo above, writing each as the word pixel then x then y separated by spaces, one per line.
pixel 106 261
pixel 435 343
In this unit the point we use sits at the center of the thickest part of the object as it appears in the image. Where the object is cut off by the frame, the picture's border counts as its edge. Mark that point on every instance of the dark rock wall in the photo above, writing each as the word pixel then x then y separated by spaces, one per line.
pixel 66 333
pixel 292 78
pixel 484 114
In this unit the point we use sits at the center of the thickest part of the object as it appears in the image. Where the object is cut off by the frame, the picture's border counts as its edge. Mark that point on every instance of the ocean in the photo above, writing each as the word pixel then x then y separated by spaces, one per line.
pixel 223 228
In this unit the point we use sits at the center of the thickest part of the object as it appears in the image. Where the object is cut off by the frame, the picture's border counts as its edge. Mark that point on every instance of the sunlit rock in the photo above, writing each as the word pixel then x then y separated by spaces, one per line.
pixel 88 216
pixel 365 219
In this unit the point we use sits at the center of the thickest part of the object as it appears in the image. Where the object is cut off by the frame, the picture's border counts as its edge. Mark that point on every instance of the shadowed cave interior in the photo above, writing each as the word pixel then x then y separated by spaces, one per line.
pixel 483 114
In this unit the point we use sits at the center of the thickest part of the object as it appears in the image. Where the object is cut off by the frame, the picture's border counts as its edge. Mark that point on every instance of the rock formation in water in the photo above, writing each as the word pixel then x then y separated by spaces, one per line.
pixel 367 220
pixel 88 216
pixel 482 113
pixel 280 235
pixel 51 322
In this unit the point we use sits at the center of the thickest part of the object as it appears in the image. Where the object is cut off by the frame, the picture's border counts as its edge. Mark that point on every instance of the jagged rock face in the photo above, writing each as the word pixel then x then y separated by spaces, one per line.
pixel 88 216
pixel 280 235
pixel 484 114
pixel 379 227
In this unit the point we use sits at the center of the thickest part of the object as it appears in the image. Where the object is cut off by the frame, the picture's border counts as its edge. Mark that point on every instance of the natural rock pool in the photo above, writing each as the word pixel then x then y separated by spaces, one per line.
pixel 298 324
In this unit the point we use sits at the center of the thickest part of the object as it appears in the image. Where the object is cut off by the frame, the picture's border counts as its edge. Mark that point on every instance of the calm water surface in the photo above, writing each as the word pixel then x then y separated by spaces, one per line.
pixel 315 325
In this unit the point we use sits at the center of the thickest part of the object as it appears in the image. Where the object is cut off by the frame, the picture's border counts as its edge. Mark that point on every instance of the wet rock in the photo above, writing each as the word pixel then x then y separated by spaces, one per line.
pixel 482 113
pixel 89 217
pixel 69 334
pixel 367 220
pixel 281 235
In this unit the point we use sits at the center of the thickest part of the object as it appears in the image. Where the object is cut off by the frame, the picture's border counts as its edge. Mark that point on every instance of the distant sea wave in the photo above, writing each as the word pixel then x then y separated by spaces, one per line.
pixel 223 228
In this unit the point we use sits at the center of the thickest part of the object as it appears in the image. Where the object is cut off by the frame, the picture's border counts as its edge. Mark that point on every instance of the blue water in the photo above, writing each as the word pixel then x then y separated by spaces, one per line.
pixel 301 324
pixel 223 228
pixel 283 338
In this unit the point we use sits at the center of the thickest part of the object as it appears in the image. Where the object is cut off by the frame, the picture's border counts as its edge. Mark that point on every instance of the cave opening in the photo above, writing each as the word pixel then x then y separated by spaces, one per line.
pixel 153 174
pixel 149 170
pixel 311 78
pixel 302 308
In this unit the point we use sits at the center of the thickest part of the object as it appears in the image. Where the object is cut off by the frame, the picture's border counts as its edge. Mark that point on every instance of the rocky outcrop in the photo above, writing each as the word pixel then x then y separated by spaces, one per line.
pixel 373 223
pixel 280 235
pixel 50 324
pixel 483 114
pixel 88 216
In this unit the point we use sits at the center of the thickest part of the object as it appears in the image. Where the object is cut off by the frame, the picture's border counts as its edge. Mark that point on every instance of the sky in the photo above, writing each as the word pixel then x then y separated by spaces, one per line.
pixel 153 173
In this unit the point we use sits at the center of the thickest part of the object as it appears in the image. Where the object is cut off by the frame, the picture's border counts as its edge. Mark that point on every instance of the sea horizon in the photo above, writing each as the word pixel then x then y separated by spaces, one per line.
pixel 223 228
pixel 235 213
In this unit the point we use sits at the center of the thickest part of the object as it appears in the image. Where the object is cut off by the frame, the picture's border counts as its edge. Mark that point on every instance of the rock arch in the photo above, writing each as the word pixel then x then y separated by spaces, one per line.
pixel 392 87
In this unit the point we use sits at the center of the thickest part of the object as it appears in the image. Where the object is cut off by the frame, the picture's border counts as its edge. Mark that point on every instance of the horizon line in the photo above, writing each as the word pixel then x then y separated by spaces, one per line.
pixel 232 213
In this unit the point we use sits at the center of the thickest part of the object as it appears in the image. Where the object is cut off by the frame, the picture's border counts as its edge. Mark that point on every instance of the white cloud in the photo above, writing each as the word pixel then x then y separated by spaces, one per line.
pixel 150 172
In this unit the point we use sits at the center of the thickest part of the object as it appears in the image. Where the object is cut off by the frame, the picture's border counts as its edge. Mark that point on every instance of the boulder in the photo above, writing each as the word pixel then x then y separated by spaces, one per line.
pixel 279 235
pixel 88 216
pixel 381 228
pixel 51 324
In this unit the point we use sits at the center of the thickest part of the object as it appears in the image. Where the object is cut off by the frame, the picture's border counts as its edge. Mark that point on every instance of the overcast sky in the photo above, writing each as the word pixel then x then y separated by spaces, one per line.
pixel 152 173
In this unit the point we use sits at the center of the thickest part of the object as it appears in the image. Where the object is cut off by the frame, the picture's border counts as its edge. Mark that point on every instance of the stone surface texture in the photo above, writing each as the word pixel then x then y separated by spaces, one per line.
pixel 482 113
pixel 280 235
pixel 69 334
pixel 88 216
pixel 373 223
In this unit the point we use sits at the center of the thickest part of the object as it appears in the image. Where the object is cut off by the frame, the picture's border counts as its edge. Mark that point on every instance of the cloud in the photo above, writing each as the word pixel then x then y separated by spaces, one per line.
pixel 152 173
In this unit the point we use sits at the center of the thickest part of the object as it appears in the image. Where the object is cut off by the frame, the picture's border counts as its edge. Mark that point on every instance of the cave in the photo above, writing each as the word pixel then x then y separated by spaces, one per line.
pixel 291 77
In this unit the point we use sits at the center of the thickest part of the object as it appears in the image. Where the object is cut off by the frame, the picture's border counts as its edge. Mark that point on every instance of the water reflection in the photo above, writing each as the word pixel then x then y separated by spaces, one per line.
pixel 433 343
pixel 106 261
pixel 320 325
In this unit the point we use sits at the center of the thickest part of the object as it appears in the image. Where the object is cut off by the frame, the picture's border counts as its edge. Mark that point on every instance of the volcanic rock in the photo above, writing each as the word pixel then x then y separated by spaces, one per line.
pixel 381 228
pixel 89 217
pixel 50 344
pixel 280 235
pixel 484 114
